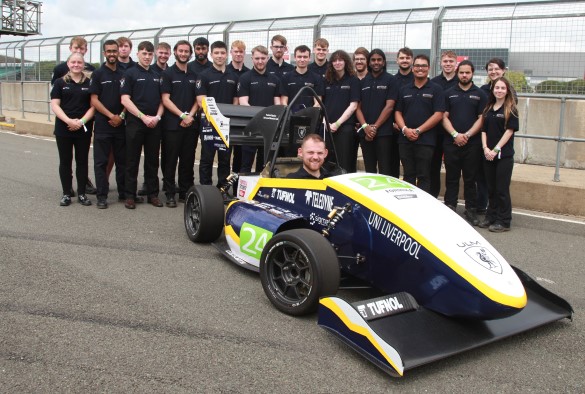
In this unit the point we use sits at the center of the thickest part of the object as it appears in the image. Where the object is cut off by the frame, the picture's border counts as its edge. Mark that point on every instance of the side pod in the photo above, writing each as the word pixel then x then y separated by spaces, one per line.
pixel 396 334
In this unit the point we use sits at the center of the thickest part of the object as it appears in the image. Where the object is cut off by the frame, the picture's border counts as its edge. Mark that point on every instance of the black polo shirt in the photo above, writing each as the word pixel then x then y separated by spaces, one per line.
pixel 105 83
pixel 419 104
pixel 338 96
pixel 494 125
pixel 155 67
pixel 126 66
pixel 75 101
pixel 220 85
pixel 301 173
pixel 261 89
pixel 61 69
pixel 143 87
pixel 464 107
pixel 239 73
pixel 278 70
pixel 319 70
pixel 197 67
pixel 375 91
pixel 181 87
pixel 294 81
pixel 444 82
pixel 402 80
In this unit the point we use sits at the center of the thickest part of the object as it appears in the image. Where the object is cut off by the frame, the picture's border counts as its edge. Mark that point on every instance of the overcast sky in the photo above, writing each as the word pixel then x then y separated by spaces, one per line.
pixel 73 17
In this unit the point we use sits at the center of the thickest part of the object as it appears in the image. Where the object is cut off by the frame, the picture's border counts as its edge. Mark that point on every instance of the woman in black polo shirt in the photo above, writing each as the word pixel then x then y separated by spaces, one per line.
pixel 500 122
pixel 342 94
pixel 70 101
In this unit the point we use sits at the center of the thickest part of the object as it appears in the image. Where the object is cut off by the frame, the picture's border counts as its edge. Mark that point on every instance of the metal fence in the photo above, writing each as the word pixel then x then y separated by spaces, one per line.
pixel 543 43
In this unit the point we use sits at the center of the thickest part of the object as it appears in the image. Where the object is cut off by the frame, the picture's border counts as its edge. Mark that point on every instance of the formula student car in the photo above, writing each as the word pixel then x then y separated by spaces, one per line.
pixel 446 288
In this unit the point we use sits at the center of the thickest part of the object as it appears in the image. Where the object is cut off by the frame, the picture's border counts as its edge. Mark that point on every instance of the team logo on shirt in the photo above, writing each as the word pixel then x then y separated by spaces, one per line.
pixel 238 89
pixel 122 82
pixel 198 84
pixel 427 95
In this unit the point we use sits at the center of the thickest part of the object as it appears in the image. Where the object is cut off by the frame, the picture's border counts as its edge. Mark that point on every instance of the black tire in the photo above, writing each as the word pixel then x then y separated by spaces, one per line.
pixel 298 267
pixel 204 213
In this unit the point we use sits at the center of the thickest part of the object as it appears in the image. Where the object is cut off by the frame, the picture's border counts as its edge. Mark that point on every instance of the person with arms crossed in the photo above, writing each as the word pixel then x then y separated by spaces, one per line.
pixel 465 103
pixel 378 96
pixel 110 129
pixel 70 101
pixel 140 90
pixel 419 110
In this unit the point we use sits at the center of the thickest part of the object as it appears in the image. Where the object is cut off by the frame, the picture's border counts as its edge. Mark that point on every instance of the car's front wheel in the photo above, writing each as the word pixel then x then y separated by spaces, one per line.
pixel 204 213
pixel 298 267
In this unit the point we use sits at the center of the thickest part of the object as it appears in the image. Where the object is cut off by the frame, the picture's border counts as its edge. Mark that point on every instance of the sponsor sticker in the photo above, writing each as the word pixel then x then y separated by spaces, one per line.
pixel 381 182
pixel 253 239
pixel 386 306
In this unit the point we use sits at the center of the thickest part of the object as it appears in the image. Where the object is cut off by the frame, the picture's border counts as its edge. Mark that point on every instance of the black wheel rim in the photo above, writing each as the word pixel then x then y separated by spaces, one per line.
pixel 289 273
pixel 193 214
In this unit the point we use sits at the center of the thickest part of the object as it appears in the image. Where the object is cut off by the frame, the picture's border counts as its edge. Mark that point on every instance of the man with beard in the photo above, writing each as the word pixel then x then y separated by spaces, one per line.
pixel 447 79
pixel 300 77
pixel 124 48
pixel 313 153
pixel 276 64
pixel 109 129
pixel 404 76
pixel 320 51
pixel 462 145
pixel 180 134
pixel 162 54
pixel 258 88
pixel 360 62
pixel 220 83
pixel 201 49
pixel 378 96
pixel 419 110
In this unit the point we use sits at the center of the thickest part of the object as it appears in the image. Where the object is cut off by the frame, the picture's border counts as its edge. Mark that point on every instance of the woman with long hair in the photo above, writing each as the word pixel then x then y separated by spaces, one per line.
pixel 70 101
pixel 342 94
pixel 500 122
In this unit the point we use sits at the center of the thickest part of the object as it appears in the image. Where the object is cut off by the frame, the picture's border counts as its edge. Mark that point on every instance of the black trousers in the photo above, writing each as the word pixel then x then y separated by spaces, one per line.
pixel 394 155
pixel 377 154
pixel 416 163
pixel 206 164
pixel 103 145
pixel 498 174
pixel 346 145
pixel 482 188
pixel 179 146
pixel 436 163
pixel 66 147
pixel 459 161
pixel 137 137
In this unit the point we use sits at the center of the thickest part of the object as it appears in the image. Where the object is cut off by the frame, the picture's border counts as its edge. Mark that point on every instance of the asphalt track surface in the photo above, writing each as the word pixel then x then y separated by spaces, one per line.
pixel 121 301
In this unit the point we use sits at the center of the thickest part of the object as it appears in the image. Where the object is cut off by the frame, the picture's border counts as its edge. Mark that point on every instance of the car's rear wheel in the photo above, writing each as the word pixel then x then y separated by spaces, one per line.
pixel 298 267
pixel 204 213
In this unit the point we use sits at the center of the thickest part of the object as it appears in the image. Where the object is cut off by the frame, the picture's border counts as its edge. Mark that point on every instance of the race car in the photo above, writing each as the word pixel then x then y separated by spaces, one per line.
pixel 445 288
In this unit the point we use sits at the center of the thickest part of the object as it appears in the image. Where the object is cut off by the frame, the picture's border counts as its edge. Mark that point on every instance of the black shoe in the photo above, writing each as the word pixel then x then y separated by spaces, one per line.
pixel 102 203
pixel 65 200
pixel 482 211
pixel 498 228
pixel 130 203
pixel 142 191
pixel 171 202
pixel 139 200
pixel 83 200
pixel 471 217
pixel 485 223
pixel 90 188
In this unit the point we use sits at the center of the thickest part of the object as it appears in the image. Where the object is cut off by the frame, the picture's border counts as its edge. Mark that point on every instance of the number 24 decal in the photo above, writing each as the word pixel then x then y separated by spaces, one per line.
pixel 253 239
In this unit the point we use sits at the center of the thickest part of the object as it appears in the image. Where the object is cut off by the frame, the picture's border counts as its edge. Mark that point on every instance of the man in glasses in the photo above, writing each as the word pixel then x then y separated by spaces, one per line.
pixel 419 110
pixel 276 64
pixel 360 62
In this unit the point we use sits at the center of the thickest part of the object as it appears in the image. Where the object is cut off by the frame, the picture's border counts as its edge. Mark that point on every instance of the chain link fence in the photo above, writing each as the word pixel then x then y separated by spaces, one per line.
pixel 542 43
